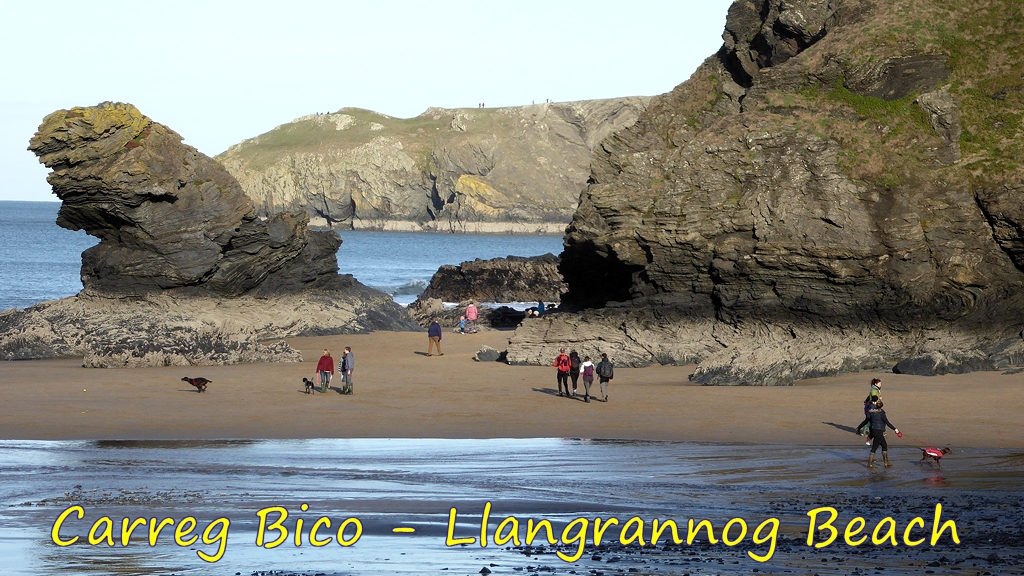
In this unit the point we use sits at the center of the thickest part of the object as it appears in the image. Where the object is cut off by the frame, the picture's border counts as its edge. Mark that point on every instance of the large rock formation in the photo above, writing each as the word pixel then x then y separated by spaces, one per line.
pixel 838 189
pixel 518 169
pixel 185 271
pixel 510 279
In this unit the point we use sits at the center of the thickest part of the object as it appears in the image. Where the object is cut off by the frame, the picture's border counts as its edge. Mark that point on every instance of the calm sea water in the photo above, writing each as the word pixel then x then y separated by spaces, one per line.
pixel 415 482
pixel 41 261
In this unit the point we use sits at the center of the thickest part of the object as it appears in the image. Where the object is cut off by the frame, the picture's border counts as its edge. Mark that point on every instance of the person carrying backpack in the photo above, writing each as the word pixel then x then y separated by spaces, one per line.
pixel 563 364
pixel 605 372
pixel 587 370
pixel 574 369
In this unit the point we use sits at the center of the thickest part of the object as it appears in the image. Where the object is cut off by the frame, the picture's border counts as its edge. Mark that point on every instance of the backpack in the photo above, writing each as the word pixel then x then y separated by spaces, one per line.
pixel 574 363
pixel 563 363
pixel 588 373
pixel 604 369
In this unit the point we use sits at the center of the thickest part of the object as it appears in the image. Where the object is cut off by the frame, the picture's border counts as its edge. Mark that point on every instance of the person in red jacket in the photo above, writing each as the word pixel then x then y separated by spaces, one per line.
pixel 325 368
pixel 563 364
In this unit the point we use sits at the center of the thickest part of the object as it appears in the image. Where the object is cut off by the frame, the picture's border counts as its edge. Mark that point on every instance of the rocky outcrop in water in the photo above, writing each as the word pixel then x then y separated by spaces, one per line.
pixel 185 271
pixel 510 279
pixel 518 169
pixel 168 216
pixel 825 195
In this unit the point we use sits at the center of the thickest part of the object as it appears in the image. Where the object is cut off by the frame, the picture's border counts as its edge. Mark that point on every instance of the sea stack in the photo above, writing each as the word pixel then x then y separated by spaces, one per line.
pixel 185 272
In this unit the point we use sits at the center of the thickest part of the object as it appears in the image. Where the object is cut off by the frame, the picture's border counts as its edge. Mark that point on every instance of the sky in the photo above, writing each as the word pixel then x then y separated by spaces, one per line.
pixel 220 72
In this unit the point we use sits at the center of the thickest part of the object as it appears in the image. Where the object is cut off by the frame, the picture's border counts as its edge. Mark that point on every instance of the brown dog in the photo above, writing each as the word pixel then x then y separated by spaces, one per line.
pixel 935 454
pixel 199 383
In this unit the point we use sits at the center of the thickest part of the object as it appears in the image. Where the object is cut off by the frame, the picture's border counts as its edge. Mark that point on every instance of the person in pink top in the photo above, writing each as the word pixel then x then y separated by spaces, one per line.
pixel 471 315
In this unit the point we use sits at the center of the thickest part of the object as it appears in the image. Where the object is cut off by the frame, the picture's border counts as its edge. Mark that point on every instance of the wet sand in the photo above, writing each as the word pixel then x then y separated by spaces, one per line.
pixel 414 483
pixel 402 393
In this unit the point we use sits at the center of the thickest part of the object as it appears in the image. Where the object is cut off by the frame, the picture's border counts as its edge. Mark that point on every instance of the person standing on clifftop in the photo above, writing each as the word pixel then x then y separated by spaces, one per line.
pixel 563 364
pixel 434 338
pixel 471 315
pixel 325 368
pixel 347 365
pixel 605 371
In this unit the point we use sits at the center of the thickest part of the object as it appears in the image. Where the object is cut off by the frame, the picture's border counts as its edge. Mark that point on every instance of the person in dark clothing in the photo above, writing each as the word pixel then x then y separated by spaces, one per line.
pixel 878 421
pixel 873 396
pixel 345 367
pixel 574 369
pixel 562 363
pixel 434 338
pixel 605 373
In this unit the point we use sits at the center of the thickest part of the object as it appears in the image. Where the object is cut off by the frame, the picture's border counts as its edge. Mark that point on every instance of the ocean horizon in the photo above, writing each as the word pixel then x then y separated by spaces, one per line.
pixel 41 261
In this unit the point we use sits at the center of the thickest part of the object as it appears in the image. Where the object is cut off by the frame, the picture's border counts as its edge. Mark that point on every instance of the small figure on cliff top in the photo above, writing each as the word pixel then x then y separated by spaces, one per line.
pixel 325 369
pixel 434 338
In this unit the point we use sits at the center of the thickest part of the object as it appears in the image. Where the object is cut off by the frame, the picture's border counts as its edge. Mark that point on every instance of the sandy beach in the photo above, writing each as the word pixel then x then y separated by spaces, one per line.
pixel 402 393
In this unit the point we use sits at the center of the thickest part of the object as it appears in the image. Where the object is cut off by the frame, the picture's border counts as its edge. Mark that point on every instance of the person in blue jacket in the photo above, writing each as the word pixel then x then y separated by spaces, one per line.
pixel 434 338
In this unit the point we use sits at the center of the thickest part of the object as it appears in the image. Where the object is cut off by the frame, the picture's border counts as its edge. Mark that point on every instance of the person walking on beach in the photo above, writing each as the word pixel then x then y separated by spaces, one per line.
pixel 348 364
pixel 605 372
pixel 874 395
pixel 587 371
pixel 325 369
pixel 878 421
pixel 434 338
pixel 471 315
pixel 562 363
pixel 574 369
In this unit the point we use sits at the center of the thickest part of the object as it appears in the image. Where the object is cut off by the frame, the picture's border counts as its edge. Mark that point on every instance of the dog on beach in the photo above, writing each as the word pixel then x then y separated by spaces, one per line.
pixel 199 383
pixel 935 454
pixel 309 385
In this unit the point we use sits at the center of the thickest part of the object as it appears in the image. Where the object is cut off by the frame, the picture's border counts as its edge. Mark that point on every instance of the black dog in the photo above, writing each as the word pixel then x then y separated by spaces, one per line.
pixel 199 383
pixel 310 386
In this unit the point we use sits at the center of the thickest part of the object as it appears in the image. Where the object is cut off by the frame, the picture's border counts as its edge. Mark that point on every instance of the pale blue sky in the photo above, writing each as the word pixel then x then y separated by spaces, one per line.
pixel 220 72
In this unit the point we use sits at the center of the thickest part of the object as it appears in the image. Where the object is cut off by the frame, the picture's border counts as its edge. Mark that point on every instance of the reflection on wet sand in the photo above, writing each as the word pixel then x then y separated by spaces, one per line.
pixel 389 483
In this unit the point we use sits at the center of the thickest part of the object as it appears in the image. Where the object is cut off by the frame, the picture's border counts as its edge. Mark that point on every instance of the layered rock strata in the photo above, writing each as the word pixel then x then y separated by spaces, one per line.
pixel 509 279
pixel 517 169
pixel 185 271
pixel 829 193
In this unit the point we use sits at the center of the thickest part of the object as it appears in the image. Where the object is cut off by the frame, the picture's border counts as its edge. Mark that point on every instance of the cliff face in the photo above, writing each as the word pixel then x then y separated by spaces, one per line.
pixel 185 272
pixel 837 189
pixel 462 170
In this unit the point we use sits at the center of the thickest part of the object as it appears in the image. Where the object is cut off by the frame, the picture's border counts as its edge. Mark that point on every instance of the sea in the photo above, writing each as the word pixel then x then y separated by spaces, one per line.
pixel 425 506
pixel 41 261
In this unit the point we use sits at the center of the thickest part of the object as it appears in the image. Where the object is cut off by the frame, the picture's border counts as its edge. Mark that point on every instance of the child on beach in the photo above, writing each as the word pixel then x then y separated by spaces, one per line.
pixel 462 324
